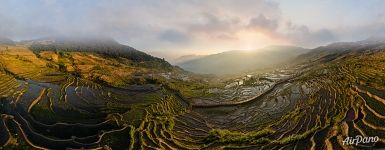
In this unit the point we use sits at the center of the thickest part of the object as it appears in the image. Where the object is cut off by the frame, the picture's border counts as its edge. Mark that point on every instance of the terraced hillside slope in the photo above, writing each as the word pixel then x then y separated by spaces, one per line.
pixel 74 99
pixel 60 99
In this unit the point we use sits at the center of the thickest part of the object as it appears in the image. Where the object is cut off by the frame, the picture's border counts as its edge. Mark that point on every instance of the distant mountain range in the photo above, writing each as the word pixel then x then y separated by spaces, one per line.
pixel 230 62
pixel 186 58
pixel 233 62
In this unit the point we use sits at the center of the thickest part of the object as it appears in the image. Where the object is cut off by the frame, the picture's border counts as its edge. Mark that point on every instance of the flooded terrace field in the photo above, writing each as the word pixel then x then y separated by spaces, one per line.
pixel 72 113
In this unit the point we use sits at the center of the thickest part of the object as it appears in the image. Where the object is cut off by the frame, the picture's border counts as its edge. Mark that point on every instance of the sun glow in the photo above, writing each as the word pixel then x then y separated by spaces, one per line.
pixel 251 40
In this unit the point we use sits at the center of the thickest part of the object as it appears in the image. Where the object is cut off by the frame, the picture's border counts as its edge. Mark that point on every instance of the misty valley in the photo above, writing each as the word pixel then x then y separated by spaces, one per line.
pixel 99 94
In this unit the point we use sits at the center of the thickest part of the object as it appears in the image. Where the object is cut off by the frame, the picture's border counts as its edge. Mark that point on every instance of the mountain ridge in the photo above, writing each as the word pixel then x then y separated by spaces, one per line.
pixel 333 50
pixel 105 46
pixel 243 60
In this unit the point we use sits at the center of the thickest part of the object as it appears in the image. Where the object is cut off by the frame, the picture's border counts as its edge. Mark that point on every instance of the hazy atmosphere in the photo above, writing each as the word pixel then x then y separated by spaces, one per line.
pixel 192 74
pixel 171 29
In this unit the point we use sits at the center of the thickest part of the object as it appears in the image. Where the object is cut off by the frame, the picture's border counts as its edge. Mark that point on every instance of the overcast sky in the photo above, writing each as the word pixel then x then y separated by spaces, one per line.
pixel 171 28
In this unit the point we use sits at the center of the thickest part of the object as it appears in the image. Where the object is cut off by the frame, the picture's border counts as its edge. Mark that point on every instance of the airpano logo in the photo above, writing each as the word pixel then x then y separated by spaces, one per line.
pixel 360 140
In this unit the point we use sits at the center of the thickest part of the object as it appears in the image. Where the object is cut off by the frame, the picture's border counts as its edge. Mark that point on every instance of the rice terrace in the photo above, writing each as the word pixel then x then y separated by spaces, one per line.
pixel 95 92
